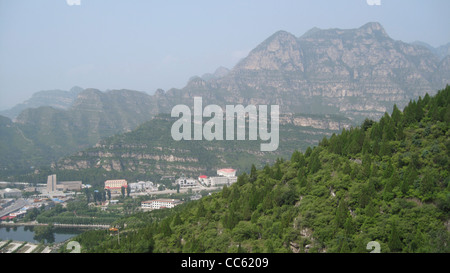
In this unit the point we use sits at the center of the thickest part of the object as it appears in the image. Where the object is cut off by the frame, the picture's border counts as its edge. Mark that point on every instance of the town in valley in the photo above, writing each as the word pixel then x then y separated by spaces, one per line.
pixel 19 199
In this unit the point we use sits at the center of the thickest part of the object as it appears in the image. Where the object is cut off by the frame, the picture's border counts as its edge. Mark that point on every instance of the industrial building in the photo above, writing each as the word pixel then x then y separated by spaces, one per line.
pixel 10 193
pixel 160 203
pixel 53 185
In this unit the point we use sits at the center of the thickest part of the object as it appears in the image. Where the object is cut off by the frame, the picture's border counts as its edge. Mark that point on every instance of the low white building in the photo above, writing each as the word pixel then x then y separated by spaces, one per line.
pixel 160 203
pixel 10 193
pixel 187 182
pixel 142 186
pixel 221 180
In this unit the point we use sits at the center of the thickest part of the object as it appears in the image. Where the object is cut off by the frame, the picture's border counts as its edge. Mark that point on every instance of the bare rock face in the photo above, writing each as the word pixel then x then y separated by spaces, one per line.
pixel 279 52
pixel 355 72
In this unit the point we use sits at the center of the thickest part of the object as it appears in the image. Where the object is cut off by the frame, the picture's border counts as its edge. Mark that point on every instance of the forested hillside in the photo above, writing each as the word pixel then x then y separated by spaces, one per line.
pixel 383 181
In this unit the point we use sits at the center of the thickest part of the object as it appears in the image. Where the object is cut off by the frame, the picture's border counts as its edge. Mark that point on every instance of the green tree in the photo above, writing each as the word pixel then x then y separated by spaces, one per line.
pixel 301 176
pixel 201 212
pixel 396 115
pixel 395 244
pixel 44 233
pixel 253 174
pixel 427 184
pixel 225 192
pixel 177 220
pixel 341 213
pixel 165 227
pixel 128 191
pixel 314 163
pixel 122 190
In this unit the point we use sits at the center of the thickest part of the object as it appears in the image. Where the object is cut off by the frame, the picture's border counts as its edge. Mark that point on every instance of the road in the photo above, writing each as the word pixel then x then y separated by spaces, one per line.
pixel 18 204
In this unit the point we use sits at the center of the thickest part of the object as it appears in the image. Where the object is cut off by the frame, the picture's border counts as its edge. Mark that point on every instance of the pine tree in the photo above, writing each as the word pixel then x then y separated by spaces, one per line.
pixel 201 212
pixel 278 174
pixel 366 148
pixel 376 147
pixel 165 228
pixel 394 241
pixel 314 163
pixel 347 168
pixel 341 214
pixel 243 179
pixel 385 149
pixel 396 115
pixel 253 174
pixel 225 192
pixel 177 220
pixel 308 151
pixel 409 179
pixel 268 171
pixel 349 228
pixel 389 170
pixel 427 183
pixel 301 177
pixel 343 246
pixel 366 165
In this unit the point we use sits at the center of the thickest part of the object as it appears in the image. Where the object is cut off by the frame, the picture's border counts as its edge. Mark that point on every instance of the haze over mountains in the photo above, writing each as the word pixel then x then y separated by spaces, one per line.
pixel 355 73
pixel 58 99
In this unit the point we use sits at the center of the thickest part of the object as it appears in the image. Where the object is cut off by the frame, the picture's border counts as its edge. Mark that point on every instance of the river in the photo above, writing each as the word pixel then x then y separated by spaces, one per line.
pixel 26 234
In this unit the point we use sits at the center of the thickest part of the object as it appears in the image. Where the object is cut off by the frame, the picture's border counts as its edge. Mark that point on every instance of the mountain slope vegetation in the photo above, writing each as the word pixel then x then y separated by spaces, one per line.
pixel 383 181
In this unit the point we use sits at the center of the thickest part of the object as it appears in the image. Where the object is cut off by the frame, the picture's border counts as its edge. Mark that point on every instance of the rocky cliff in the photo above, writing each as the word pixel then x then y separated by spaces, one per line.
pixel 355 72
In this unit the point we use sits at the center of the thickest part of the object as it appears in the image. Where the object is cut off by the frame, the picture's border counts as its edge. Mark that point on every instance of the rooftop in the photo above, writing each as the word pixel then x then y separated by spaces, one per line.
pixel 227 170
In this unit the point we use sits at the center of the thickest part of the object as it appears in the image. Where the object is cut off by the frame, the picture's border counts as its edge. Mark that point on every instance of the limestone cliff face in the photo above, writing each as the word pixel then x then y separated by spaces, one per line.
pixel 325 122
pixel 356 72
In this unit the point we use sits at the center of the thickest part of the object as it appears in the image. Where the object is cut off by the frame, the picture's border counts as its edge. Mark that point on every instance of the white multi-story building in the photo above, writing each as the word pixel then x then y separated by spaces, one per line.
pixel 160 203
pixel 141 186
pixel 222 180
pixel 225 177
pixel 187 182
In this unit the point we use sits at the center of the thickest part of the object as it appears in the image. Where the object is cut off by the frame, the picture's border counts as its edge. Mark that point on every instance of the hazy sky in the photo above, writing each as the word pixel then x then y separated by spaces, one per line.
pixel 144 45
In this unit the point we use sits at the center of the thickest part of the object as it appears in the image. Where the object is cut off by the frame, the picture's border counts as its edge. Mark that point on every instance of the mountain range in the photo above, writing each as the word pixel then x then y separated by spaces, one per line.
pixel 347 73
pixel 58 99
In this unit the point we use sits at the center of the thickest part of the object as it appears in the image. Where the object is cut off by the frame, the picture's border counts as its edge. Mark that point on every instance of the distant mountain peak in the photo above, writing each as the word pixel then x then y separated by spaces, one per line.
pixel 281 35
pixel 76 89
pixel 221 71
pixel 374 27
pixel 218 73
pixel 311 32
pixel 280 51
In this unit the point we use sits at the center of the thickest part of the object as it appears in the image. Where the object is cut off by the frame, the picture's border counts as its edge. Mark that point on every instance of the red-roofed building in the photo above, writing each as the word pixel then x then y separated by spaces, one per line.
pixel 7 217
pixel 115 186
pixel 203 179
pixel 226 172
